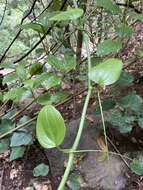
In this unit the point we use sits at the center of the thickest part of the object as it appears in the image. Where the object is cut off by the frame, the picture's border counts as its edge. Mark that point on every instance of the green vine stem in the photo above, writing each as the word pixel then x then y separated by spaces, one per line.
pixel 81 125
pixel 103 123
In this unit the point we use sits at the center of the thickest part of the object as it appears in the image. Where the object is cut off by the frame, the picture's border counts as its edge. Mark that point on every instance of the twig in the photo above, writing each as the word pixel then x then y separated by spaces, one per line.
pixel 4 12
pixel 19 32
pixel 118 151
pixel 39 42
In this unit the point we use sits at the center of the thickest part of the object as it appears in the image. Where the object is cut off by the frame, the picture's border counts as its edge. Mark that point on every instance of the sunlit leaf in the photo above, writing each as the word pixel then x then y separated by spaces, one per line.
pixel 107 72
pixel 71 14
pixel 50 128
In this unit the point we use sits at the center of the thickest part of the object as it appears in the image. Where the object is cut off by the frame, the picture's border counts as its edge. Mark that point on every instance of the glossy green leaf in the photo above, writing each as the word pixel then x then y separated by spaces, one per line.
pixel 64 65
pixel 50 128
pixel 107 72
pixel 123 30
pixel 41 170
pixel 108 5
pixel 137 167
pixel 20 138
pixel 108 46
pixel 71 14
pixel 17 152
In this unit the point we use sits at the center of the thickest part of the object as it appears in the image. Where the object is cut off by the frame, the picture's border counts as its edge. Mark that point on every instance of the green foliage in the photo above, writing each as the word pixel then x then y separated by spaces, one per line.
pixel 106 73
pixel 6 125
pixel 50 128
pixel 73 182
pixel 132 101
pixel 34 26
pixel 125 80
pixel 20 138
pixel 45 79
pixel 64 65
pixel 10 78
pixel 36 69
pixel 71 14
pixel 108 5
pixel 137 167
pixel 122 123
pixel 123 30
pixel 57 66
pixel 41 170
pixel 15 94
pixel 107 104
pixel 17 152
pixel 108 46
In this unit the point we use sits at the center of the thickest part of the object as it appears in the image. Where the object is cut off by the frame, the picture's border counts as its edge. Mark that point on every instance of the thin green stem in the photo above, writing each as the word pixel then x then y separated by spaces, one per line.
pixel 103 122
pixel 81 125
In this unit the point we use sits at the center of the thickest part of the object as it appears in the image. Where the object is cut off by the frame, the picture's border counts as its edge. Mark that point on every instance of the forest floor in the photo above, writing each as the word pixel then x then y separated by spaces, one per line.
pixel 17 175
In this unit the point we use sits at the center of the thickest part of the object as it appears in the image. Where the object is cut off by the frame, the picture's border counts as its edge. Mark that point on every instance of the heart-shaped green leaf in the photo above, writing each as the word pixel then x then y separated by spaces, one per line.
pixel 107 72
pixel 50 128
